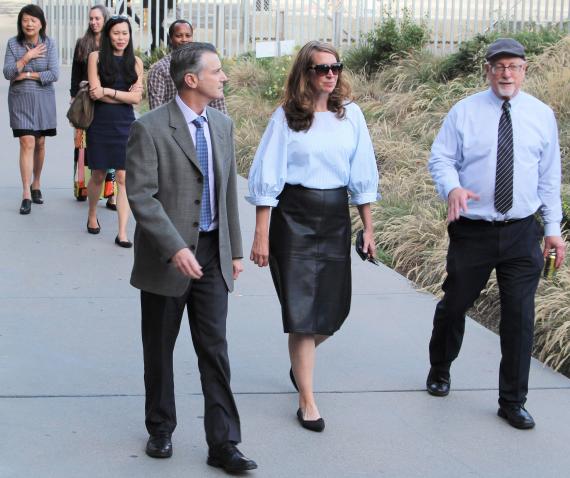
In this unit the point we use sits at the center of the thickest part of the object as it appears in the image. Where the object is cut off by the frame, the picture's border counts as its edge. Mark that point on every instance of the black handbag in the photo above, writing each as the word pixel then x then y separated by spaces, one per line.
pixel 80 112
pixel 359 245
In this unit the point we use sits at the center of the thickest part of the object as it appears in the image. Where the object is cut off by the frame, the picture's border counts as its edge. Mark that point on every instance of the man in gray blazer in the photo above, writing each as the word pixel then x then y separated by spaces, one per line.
pixel 181 185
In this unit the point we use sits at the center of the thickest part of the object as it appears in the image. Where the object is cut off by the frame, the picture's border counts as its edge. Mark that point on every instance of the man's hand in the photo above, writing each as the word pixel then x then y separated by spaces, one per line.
pixel 237 265
pixel 457 202
pixel 260 249
pixel 187 264
pixel 557 243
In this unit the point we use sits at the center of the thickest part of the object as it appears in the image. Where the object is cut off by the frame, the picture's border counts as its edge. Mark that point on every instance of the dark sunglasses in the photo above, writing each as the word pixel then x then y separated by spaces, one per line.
pixel 323 70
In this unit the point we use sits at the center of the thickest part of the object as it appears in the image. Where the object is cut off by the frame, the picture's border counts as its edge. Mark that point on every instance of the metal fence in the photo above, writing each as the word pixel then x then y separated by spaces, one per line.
pixel 236 26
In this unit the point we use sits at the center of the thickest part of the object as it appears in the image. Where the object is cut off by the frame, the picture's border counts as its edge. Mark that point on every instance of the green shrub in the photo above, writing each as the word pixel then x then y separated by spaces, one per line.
pixel 470 57
pixel 387 42
pixel 151 58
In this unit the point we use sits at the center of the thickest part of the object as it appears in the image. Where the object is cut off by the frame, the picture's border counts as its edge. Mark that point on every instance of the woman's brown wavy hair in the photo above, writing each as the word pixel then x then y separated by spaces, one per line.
pixel 299 98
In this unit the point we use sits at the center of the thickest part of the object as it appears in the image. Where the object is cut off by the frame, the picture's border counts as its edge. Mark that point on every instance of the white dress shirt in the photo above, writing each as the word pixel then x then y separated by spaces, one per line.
pixel 332 153
pixel 464 154
pixel 190 116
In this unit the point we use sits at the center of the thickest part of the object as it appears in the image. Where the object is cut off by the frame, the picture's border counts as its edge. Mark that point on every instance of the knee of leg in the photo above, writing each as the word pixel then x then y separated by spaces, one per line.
pixel 27 142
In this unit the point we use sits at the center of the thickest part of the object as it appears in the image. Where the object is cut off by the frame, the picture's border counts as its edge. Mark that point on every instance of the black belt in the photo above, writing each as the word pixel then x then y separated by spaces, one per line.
pixel 208 233
pixel 482 222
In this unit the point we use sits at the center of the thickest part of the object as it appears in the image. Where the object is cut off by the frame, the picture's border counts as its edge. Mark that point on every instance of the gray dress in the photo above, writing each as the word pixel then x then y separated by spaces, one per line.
pixel 31 103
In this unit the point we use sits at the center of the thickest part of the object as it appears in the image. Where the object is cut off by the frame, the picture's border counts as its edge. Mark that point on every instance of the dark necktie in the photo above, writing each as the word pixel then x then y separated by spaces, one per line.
pixel 505 156
pixel 202 153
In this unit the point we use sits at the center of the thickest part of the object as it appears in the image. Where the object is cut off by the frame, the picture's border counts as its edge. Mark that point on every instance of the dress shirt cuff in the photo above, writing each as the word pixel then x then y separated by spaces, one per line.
pixel 262 200
pixel 552 229
pixel 364 198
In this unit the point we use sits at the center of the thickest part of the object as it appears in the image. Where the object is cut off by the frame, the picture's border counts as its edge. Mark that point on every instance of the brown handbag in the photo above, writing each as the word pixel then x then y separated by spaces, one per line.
pixel 80 112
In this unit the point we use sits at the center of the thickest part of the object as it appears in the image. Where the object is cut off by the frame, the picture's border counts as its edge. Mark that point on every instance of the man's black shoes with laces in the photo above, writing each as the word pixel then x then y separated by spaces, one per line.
pixel 517 416
pixel 228 457
pixel 159 446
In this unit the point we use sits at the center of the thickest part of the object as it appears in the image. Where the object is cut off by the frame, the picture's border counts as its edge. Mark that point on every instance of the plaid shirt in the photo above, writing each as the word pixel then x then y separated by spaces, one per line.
pixel 160 87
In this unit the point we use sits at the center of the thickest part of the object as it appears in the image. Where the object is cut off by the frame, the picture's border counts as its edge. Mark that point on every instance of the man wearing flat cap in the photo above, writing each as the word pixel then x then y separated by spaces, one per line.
pixel 496 160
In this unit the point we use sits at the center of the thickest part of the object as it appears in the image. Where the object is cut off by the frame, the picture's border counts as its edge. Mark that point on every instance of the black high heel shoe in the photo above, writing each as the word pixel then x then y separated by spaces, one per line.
pixel 94 230
pixel 37 197
pixel 313 425
pixel 292 377
pixel 26 206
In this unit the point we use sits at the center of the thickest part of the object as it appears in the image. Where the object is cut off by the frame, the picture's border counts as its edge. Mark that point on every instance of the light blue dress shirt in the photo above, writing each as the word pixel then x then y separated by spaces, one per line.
pixel 190 115
pixel 333 153
pixel 464 154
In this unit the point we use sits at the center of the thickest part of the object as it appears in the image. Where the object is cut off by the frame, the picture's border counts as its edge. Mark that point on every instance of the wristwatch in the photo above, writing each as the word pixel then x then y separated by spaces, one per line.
pixel 28 74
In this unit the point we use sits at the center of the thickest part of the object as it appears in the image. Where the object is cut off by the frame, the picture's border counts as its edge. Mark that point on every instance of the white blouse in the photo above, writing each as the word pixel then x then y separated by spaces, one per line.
pixel 331 154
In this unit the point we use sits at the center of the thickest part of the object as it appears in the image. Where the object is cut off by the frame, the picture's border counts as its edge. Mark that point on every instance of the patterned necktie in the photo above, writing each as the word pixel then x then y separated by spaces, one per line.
pixel 202 153
pixel 505 156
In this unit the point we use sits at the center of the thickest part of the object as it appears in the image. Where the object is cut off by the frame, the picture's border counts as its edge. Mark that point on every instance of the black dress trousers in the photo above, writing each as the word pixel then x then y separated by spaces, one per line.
pixel 475 249
pixel 207 303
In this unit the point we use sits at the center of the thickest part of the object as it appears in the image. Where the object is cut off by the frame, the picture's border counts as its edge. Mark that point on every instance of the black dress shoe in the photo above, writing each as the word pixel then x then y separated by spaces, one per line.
pixel 26 206
pixel 313 425
pixel 159 446
pixel 36 196
pixel 94 230
pixel 125 244
pixel 437 385
pixel 292 377
pixel 228 457
pixel 517 416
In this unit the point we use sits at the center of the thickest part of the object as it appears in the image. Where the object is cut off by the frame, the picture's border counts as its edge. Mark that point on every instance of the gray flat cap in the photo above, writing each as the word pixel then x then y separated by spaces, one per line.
pixel 505 47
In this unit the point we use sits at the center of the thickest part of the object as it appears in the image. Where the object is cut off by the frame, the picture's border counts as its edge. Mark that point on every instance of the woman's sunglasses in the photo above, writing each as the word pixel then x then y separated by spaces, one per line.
pixel 323 70
pixel 119 17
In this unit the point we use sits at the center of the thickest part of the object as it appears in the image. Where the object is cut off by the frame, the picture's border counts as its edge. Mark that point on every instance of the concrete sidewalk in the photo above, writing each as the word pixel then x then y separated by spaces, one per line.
pixel 71 377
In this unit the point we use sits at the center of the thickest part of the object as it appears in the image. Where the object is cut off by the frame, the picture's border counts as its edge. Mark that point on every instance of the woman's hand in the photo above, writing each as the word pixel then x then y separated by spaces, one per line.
pixel 36 52
pixel 260 249
pixel 97 93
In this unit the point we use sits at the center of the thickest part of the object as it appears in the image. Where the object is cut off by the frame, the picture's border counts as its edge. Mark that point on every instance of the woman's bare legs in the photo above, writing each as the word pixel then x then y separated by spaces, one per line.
pixel 27 148
pixel 93 194
pixel 302 354
pixel 39 156
pixel 123 208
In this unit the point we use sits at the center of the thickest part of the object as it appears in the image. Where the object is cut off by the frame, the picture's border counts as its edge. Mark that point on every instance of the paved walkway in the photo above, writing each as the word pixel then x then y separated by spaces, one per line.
pixel 71 377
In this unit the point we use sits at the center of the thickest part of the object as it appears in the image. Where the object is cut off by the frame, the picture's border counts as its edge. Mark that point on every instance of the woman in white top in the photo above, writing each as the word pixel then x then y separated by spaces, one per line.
pixel 314 154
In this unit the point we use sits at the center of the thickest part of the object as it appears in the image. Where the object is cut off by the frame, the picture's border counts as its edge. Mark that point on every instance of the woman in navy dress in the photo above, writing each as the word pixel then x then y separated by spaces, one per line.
pixel 115 84
pixel 31 66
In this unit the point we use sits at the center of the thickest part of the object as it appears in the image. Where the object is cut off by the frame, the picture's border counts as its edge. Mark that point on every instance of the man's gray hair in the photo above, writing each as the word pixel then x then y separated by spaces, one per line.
pixel 188 59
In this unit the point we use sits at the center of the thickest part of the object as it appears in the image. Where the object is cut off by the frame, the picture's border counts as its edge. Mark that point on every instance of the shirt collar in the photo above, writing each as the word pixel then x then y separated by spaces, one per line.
pixel 189 114
pixel 498 102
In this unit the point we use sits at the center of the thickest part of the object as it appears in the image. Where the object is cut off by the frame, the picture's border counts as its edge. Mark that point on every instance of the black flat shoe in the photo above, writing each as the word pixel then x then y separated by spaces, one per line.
pixel 313 425
pixel 94 230
pixel 125 244
pixel 36 196
pixel 438 385
pixel 26 206
pixel 517 416
pixel 292 377
pixel 228 457
pixel 159 446
pixel 110 205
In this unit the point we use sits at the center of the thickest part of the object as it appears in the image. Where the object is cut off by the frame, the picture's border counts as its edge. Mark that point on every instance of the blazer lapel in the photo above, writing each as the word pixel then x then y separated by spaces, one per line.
pixel 219 151
pixel 181 134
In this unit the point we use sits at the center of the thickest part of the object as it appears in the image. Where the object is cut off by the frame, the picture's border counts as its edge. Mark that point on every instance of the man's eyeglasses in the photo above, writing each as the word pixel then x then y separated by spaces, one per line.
pixel 501 68
pixel 119 17
pixel 323 70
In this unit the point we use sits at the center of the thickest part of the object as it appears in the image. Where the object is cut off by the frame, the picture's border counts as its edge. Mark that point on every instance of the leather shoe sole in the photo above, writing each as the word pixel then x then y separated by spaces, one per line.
pixel 516 421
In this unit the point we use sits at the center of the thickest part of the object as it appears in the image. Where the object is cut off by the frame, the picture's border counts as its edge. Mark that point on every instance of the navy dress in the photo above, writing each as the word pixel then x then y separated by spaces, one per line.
pixel 108 134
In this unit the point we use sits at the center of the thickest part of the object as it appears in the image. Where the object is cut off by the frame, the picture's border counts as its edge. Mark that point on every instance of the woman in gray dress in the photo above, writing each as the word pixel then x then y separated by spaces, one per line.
pixel 31 65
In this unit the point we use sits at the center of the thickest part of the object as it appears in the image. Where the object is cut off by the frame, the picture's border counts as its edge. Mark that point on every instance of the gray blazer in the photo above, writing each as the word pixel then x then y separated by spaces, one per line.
pixel 164 183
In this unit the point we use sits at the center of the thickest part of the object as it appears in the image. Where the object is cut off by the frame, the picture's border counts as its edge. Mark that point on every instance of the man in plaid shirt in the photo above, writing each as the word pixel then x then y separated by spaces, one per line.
pixel 160 87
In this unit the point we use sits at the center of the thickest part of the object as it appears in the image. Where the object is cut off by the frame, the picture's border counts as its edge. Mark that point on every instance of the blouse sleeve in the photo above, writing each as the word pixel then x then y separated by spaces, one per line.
pixel 363 182
pixel 10 68
pixel 268 172
pixel 51 74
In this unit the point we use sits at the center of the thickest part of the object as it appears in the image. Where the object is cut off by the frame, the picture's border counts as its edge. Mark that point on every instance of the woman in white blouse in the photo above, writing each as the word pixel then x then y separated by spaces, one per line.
pixel 315 156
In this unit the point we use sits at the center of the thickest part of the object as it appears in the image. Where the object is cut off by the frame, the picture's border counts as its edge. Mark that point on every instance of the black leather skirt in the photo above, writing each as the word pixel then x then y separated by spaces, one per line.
pixel 309 258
